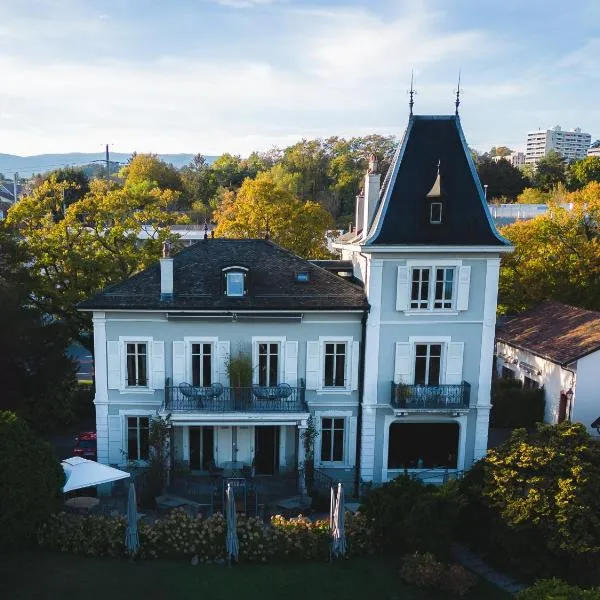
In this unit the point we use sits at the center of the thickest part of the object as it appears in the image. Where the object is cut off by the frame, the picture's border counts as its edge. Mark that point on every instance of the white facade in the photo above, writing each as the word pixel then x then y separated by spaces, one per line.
pixel 581 377
pixel 572 145
pixel 516 159
pixel 594 151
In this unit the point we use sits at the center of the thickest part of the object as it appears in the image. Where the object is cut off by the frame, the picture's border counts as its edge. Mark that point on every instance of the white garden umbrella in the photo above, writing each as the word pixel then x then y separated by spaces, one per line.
pixel 338 530
pixel 231 541
pixel 82 473
pixel 132 540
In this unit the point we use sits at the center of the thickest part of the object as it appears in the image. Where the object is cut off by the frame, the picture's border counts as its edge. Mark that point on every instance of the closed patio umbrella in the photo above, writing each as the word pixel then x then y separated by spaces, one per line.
pixel 231 541
pixel 132 540
pixel 338 530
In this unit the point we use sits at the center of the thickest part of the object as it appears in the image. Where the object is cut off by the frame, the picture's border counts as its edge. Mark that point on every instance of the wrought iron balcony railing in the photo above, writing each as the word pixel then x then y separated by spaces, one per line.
pixel 218 399
pixel 423 397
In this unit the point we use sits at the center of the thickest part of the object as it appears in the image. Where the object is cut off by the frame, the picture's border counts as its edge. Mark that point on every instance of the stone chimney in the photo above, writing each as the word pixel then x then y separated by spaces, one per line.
pixel 372 186
pixel 166 273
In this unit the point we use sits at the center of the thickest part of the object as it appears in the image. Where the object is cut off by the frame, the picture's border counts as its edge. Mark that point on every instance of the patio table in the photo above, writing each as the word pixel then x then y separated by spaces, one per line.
pixel 82 503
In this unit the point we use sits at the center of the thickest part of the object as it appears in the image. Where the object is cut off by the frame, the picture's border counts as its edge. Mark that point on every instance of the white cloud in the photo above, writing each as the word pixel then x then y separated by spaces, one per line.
pixel 244 3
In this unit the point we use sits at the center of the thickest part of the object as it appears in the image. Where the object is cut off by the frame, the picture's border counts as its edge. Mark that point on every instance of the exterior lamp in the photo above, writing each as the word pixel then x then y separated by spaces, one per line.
pixel 569 396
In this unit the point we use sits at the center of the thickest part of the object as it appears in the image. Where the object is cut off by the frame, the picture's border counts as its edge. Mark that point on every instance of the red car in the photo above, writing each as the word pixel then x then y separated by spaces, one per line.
pixel 85 445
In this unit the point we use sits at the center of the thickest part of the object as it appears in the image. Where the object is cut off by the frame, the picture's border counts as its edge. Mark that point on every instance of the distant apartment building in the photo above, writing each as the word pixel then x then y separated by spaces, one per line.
pixel 516 159
pixel 594 149
pixel 573 145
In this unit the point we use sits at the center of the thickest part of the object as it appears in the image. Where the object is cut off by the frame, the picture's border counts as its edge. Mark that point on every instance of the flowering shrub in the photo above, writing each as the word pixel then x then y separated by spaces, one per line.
pixel 424 570
pixel 181 536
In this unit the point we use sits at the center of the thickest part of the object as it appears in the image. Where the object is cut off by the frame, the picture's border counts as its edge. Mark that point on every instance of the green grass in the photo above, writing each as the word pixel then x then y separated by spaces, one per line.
pixel 36 575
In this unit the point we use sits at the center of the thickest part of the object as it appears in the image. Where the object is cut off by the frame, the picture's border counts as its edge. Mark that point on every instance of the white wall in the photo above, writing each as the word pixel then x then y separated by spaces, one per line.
pixel 586 403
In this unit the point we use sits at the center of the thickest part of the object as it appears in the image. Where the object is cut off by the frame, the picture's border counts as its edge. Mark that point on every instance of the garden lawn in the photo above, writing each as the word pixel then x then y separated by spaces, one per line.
pixel 39 575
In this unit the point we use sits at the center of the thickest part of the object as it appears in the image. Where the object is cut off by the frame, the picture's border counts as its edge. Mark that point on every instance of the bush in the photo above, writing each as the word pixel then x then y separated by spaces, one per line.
pixel 30 481
pixel 513 406
pixel 423 570
pixel 555 589
pixel 407 515
pixel 181 536
pixel 533 503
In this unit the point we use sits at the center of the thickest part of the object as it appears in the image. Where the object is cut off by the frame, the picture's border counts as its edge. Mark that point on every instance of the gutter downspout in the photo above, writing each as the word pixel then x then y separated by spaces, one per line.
pixel 361 387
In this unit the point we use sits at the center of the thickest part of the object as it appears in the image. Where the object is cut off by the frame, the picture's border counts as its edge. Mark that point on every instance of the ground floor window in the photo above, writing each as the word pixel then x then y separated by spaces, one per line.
pixel 332 439
pixel 138 429
pixel 423 445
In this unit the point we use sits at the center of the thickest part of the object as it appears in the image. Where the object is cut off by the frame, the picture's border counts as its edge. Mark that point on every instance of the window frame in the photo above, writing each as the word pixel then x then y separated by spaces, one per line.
pixel 189 342
pixel 268 339
pixel 432 268
pixel 137 429
pixel 125 388
pixel 438 206
pixel 428 356
pixel 344 429
pixel 235 270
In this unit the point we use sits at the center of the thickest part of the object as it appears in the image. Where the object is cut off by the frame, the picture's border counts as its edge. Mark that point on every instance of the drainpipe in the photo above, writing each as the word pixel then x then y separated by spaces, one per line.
pixel 361 387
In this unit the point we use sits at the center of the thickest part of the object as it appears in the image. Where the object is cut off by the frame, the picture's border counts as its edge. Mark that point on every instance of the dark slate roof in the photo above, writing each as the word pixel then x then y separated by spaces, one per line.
pixel 199 282
pixel 554 331
pixel 402 215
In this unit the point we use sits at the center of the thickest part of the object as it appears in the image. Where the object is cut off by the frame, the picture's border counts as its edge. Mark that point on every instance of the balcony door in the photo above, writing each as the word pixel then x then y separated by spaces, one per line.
pixel 428 364
pixel 267 449
pixel 235 444
pixel 201 447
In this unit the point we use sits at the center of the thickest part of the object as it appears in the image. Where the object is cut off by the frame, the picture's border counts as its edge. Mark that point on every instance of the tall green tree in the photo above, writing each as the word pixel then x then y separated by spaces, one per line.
pixel 199 182
pixel 94 242
pixel 550 171
pixel 584 171
pixel 149 168
pixel 229 171
pixel 503 180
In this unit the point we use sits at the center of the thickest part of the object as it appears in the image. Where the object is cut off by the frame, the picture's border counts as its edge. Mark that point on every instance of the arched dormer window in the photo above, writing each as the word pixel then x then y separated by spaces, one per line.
pixel 235 281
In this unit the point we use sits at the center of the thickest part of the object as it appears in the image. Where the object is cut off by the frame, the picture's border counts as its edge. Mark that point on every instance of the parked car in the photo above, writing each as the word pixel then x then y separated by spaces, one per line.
pixel 85 445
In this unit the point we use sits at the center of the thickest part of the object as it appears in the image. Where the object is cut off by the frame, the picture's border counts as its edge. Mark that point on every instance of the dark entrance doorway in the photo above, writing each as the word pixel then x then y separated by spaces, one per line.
pixel 266 460
pixel 201 447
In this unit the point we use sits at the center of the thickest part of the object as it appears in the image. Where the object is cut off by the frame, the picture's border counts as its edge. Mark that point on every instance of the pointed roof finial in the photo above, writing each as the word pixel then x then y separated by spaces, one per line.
pixel 411 93
pixel 458 90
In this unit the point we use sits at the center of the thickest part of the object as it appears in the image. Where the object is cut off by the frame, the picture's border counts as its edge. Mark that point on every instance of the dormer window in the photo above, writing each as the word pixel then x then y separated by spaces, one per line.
pixel 435 213
pixel 434 197
pixel 235 281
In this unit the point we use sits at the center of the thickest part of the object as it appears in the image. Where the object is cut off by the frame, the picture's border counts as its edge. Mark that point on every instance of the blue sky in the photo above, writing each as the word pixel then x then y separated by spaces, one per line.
pixel 213 76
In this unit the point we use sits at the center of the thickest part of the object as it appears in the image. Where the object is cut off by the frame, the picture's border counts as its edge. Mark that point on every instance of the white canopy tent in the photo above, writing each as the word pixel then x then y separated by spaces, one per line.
pixel 82 473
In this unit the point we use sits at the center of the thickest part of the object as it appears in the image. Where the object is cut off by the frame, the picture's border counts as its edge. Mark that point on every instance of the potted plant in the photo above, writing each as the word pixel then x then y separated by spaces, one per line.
pixel 402 393
pixel 239 370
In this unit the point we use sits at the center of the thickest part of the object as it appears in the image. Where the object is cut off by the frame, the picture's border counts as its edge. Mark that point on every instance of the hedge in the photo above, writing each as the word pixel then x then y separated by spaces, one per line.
pixel 514 406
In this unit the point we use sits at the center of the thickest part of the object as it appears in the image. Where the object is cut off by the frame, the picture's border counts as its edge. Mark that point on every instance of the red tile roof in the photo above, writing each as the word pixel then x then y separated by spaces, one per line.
pixel 554 331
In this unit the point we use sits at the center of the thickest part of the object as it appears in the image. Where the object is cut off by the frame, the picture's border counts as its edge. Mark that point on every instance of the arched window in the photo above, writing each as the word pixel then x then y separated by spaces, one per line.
pixel 235 281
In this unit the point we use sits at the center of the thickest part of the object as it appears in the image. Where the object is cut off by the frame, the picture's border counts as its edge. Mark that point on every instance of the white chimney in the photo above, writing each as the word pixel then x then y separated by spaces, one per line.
pixel 372 186
pixel 360 207
pixel 166 273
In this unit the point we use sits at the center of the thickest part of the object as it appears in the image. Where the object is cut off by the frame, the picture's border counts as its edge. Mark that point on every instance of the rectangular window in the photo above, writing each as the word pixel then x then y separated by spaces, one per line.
pixel 138 430
pixel 335 364
pixel 202 364
pixel 438 294
pixel 268 364
pixel 332 439
pixel 419 295
pixel 235 284
pixel 137 365
pixel 435 213
pixel 428 361
pixel 444 286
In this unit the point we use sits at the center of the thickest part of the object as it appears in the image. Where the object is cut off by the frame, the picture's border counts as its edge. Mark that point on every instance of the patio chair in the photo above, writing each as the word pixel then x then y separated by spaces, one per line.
pixel 272 392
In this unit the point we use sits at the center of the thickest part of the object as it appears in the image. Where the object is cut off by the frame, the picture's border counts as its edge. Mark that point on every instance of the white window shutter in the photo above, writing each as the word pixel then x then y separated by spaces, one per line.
pixel 313 365
pixel 402 365
pixel 222 360
pixel 291 363
pixel 464 283
pixel 354 366
pixel 115 440
pixel 403 289
pixel 454 362
pixel 158 365
pixel 113 366
pixel 179 356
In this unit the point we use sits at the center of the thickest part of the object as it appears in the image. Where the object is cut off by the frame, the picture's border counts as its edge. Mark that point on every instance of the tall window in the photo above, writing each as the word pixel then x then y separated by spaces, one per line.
pixel 268 364
pixel 201 364
pixel 332 439
pixel 137 365
pixel 335 364
pixel 419 296
pixel 440 295
pixel 428 360
pixel 138 429
pixel 444 286
pixel 235 283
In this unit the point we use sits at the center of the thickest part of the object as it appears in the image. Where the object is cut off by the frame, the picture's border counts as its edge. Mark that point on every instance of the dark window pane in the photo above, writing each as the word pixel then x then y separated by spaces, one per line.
pixel 144 446
pixel 273 369
pixel 338 445
pixel 329 369
pixel 130 348
pixel 436 350
pixel 206 370
pixel 326 444
pixel 131 369
pixel 142 349
pixel 142 375
pixel 420 369
pixel 196 369
pixel 132 453
pixel 340 361
pixel 195 348
pixel 329 348
pixel 434 370
pixel 262 368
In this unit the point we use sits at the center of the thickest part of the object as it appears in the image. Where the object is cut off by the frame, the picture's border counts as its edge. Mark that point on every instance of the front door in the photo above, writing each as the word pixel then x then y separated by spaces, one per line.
pixel 267 450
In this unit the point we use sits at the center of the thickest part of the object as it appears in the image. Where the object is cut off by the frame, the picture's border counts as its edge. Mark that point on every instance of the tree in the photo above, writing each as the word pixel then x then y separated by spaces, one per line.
pixel 549 171
pixel 94 242
pixel 584 171
pixel 502 179
pixel 229 171
pixel 150 168
pixel 500 151
pixel 38 378
pixel 261 203
pixel 533 196
pixel 31 481
pixel 557 256
pixel 199 183
pixel 536 499
pixel 79 183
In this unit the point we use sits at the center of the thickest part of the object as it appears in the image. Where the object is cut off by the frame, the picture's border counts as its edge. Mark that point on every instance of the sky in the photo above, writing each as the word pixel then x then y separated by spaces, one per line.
pixel 216 76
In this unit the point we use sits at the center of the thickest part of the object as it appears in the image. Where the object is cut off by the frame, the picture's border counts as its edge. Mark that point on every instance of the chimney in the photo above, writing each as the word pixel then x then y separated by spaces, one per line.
pixel 372 186
pixel 166 273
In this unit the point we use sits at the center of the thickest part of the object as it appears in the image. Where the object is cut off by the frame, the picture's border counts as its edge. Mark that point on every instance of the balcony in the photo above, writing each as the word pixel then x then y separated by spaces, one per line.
pixel 431 397
pixel 218 399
